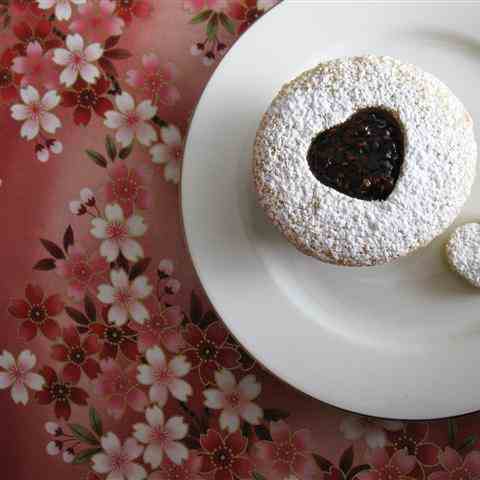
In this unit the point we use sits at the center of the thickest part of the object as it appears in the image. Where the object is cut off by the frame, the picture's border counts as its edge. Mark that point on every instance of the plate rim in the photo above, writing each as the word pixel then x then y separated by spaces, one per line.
pixel 188 240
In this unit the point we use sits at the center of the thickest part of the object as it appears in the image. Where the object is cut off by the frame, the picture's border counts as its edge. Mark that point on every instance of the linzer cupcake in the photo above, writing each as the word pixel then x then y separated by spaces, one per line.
pixel 363 160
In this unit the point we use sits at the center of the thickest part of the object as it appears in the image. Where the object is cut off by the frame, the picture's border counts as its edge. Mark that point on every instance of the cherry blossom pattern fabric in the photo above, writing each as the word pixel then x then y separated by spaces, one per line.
pixel 108 341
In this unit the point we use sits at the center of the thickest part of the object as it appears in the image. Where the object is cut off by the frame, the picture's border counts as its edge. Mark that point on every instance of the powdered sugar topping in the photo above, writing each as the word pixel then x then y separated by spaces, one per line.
pixel 434 182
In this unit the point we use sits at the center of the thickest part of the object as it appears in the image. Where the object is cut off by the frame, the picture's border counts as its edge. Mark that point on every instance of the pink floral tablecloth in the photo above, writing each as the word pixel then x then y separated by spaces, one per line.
pixel 112 363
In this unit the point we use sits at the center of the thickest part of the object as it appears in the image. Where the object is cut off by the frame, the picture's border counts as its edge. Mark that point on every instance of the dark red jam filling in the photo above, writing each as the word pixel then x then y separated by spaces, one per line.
pixel 361 157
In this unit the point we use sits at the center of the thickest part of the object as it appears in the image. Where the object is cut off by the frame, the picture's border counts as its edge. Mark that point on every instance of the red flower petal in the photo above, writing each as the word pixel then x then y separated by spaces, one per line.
pixel 19 308
pixel 217 333
pixel 92 344
pixel 264 451
pixel 53 43
pixel 192 357
pixel 78 396
pixel 237 11
pixel 228 357
pixel 71 373
pixel 101 86
pixel 42 29
pixel 207 372
pixel 59 353
pixel 50 329
pixel 7 57
pixel 69 98
pixel 417 430
pixel 98 329
pixel 109 350
pixel 129 349
pixel 193 335
pixel 333 474
pixel 242 467
pixel 236 442
pixel 43 397
pixel 125 15
pixel 243 27
pixel 62 409
pixel 142 9
pixel 49 374
pixel 427 453
pixel 91 368
pixel 223 475
pixel 34 294
pixel 207 463
pixel 27 330
pixel 8 93
pixel 54 305
pixel 102 105
pixel 71 336
pixel 211 441
pixel 82 115
pixel 23 31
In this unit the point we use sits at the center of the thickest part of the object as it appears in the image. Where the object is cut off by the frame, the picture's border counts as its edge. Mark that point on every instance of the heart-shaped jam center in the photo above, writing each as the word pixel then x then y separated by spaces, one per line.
pixel 361 157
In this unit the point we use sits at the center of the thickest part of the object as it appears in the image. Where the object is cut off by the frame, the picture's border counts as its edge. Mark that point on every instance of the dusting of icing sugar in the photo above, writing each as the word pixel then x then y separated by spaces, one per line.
pixel 463 252
pixel 435 179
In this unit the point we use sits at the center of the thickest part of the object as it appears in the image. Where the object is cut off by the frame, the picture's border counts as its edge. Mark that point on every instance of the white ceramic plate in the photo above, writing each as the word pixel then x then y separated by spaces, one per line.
pixel 397 341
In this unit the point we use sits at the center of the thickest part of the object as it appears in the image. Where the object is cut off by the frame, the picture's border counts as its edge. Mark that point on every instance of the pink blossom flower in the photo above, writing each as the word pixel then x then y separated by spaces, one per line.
pixel 63 9
pixel 161 437
pixel 132 121
pixel 455 467
pixel 373 430
pixel 35 112
pixel 194 6
pixel 18 375
pixel 127 187
pixel 288 454
pixel 161 328
pixel 35 67
pixel 117 234
pixel 165 267
pixel 81 271
pixel 235 400
pixel 120 388
pixel 125 297
pixel 118 460
pixel 397 467
pixel 155 79
pixel 169 153
pixel 78 60
pixel 164 377
pixel 98 18
pixel 188 470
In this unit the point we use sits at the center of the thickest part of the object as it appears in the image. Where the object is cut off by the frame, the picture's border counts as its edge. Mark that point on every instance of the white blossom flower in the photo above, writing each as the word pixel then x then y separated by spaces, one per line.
pixel 68 455
pixel 53 428
pixel 53 448
pixel 235 400
pixel 124 297
pixel 132 121
pixel 87 197
pixel 18 375
pixel 355 427
pixel 63 9
pixel 161 437
pixel 164 377
pixel 169 152
pixel 77 207
pixel 118 460
pixel 35 112
pixel 116 232
pixel 78 60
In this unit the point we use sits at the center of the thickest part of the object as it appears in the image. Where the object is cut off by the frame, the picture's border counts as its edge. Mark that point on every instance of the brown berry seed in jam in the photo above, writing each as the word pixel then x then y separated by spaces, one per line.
pixel 361 157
